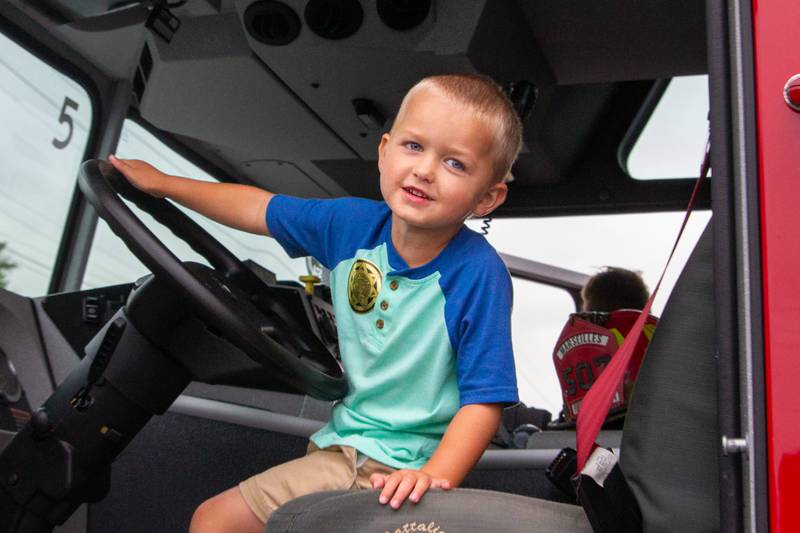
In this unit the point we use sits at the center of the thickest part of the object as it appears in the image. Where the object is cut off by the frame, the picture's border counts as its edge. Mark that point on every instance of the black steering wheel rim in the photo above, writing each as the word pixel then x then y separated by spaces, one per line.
pixel 214 300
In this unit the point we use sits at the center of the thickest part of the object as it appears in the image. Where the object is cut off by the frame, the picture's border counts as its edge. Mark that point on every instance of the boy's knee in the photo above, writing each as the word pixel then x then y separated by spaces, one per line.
pixel 206 518
pixel 225 513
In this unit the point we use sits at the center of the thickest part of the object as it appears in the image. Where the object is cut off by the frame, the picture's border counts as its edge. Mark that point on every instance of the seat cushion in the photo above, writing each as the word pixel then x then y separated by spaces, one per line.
pixel 671 435
pixel 460 510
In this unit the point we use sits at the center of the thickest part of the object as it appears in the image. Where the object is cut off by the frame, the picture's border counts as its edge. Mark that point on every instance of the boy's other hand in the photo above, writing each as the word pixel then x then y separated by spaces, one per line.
pixel 402 484
pixel 143 176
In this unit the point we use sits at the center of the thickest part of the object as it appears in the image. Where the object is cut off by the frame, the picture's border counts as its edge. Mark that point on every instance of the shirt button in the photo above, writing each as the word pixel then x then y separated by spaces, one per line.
pixel 393 285
pixel 384 305
pixel 379 323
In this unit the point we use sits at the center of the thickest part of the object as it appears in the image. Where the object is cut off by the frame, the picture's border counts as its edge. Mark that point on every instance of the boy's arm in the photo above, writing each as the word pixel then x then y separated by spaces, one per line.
pixel 463 443
pixel 239 206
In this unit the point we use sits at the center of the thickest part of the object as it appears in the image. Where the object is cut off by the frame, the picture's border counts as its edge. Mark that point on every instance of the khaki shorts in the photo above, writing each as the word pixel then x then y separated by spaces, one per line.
pixel 332 468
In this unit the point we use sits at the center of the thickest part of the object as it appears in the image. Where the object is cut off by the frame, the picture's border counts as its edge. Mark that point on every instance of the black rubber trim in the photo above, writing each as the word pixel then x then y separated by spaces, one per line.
pixel 639 122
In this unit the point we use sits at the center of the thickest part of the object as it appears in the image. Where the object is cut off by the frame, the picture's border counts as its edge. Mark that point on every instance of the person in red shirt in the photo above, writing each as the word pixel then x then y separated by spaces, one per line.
pixel 612 300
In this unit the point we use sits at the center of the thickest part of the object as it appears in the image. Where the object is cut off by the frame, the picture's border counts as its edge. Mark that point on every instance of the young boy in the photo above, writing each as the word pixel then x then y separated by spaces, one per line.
pixel 614 288
pixel 422 303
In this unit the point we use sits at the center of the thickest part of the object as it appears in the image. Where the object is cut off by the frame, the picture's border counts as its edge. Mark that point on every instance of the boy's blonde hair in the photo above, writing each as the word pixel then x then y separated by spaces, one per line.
pixel 487 99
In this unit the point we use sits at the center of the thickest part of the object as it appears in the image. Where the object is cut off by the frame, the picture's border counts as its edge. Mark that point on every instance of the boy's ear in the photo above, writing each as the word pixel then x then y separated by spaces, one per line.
pixel 491 200
pixel 382 149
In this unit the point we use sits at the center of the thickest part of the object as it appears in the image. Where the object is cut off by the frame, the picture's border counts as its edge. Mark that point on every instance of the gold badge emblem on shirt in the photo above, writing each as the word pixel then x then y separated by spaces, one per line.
pixel 363 285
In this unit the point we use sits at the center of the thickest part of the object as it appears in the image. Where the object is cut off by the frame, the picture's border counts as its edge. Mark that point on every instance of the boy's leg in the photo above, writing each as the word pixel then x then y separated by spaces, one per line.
pixel 225 512
pixel 329 469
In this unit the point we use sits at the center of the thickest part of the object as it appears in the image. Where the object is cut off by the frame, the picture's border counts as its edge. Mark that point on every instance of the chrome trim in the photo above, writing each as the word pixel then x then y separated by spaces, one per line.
pixel 516 459
pixel 744 250
pixel 732 445
pixel 791 104
pixel 301 427
pixel 244 416
pixel 552 275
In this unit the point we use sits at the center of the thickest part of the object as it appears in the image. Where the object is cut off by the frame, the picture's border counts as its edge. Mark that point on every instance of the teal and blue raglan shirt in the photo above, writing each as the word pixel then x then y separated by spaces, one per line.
pixel 416 343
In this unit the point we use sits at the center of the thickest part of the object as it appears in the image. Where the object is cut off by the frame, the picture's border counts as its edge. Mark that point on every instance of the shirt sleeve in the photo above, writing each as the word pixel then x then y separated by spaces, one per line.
pixel 482 335
pixel 318 228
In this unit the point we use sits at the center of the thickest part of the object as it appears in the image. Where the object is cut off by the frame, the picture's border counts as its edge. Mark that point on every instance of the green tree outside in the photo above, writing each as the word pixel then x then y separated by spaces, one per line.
pixel 5 266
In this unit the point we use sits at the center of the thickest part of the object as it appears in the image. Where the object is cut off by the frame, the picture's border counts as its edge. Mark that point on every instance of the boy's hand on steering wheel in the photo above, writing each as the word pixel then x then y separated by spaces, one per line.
pixel 402 484
pixel 142 175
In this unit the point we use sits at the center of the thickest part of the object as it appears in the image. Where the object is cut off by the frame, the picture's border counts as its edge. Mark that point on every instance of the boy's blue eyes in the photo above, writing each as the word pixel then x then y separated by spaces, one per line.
pixel 454 163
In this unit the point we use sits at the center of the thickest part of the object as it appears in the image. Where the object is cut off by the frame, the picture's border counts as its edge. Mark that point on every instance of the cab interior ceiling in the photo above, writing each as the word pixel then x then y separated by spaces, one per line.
pixel 283 116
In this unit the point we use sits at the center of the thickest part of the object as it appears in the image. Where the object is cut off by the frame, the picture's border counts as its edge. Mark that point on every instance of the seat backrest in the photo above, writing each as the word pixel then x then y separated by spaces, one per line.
pixel 671 435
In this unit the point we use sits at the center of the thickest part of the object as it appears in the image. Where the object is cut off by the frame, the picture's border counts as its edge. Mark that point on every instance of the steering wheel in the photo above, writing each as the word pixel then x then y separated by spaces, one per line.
pixel 220 296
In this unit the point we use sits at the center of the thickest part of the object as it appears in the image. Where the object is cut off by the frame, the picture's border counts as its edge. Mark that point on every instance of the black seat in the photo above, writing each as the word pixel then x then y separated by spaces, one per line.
pixel 668 452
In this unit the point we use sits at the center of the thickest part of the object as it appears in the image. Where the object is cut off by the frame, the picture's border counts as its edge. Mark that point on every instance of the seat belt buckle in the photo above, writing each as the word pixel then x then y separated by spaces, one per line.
pixel 605 496
pixel 562 471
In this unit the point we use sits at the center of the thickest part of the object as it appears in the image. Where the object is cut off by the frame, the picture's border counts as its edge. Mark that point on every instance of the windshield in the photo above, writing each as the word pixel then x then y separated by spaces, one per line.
pixel 44 131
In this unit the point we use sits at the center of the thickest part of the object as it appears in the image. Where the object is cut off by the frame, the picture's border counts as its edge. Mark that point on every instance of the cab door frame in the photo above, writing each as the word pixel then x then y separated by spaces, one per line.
pixel 755 196
pixel 777 129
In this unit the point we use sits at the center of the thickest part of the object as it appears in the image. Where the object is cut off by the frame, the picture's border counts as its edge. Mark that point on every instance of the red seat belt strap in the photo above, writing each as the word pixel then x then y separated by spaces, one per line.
pixel 597 402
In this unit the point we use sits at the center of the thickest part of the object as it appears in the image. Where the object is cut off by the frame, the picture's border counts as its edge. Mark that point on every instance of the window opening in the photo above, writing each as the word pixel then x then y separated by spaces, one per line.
pixel 44 131
pixel 583 244
pixel 672 142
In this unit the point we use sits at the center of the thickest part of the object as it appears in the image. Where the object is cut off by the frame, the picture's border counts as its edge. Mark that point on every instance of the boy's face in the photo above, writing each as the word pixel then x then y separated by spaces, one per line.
pixel 437 164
